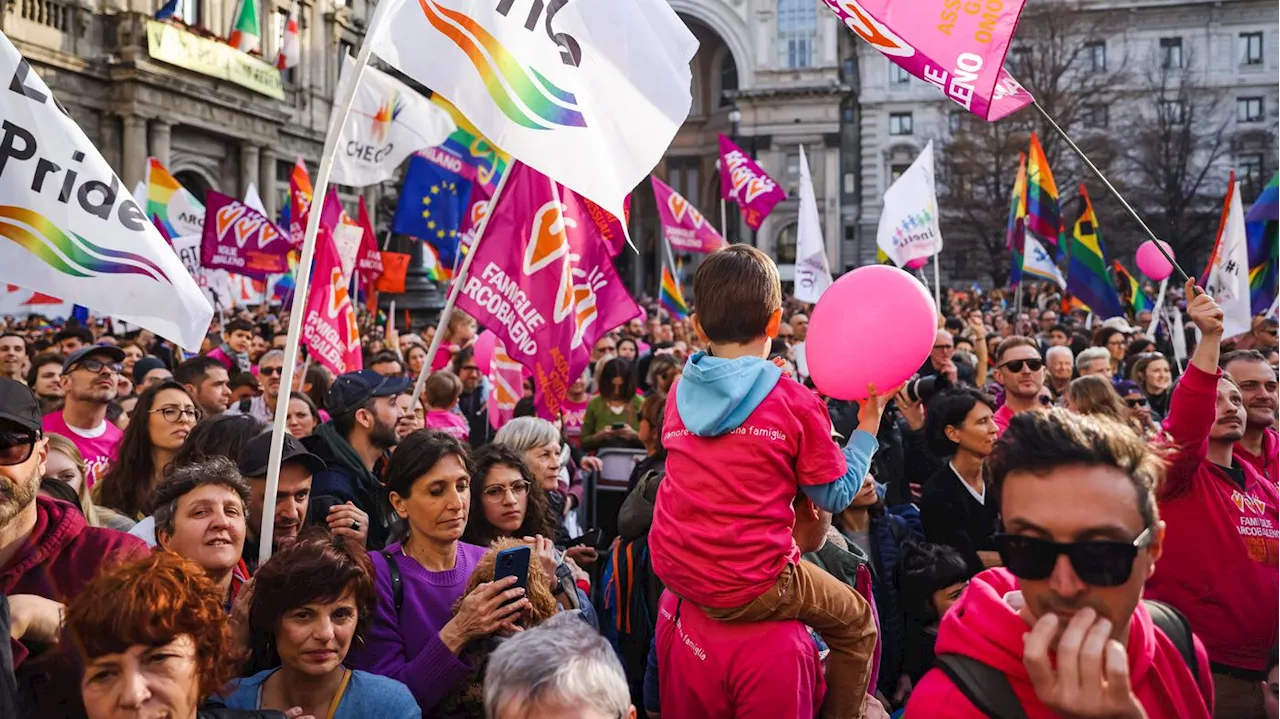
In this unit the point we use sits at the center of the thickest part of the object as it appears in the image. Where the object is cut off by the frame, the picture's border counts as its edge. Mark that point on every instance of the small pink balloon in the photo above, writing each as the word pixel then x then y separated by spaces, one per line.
pixel 874 325
pixel 1152 263
pixel 484 351
pixel 917 263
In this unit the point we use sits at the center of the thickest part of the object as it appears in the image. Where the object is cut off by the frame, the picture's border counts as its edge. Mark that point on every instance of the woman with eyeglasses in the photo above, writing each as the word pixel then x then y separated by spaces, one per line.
pixel 506 500
pixel 163 418
pixel 1113 340
pixel 1154 376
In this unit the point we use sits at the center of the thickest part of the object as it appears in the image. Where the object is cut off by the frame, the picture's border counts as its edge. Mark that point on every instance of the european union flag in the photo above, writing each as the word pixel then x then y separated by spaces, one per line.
pixel 433 202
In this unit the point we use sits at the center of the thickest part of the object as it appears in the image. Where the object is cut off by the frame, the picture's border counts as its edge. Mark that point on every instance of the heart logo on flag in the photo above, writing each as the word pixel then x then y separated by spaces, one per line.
pixel 869 29
pixel 757 187
pixel 226 216
pixel 479 211
pixel 680 207
pixel 547 240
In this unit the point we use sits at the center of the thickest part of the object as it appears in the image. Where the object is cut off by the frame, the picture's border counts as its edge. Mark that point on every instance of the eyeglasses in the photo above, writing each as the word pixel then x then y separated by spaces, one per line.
pixel 1135 402
pixel 496 493
pixel 1101 564
pixel 270 371
pixel 173 415
pixel 944 347
pixel 1115 343
pixel 1034 365
pixel 97 366
pixel 16 446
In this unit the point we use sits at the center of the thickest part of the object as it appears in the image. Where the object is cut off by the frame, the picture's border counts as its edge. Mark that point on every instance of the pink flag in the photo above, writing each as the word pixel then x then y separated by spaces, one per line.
pixel 544 282
pixel 369 261
pixel 742 181
pixel 506 379
pixel 330 330
pixel 960 49
pixel 239 239
pixel 684 227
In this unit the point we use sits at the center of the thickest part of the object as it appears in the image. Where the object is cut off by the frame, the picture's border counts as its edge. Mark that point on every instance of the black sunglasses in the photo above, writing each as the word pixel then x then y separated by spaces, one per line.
pixel 1016 365
pixel 1136 402
pixel 269 371
pixel 1101 564
pixel 96 366
pixel 16 446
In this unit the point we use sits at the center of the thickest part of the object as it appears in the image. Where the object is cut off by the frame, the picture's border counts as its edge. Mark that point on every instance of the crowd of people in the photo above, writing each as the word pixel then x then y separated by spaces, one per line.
pixel 1056 516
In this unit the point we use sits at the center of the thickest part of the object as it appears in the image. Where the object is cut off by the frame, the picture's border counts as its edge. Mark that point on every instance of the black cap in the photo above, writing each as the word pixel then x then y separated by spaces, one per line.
pixel 143 366
pixel 353 389
pixel 257 452
pixel 115 353
pixel 18 404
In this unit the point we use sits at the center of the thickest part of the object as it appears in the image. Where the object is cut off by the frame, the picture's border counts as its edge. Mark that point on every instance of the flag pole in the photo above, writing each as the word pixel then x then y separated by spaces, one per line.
pixel 1155 313
pixel 301 286
pixel 937 283
pixel 1107 183
pixel 723 221
pixel 459 278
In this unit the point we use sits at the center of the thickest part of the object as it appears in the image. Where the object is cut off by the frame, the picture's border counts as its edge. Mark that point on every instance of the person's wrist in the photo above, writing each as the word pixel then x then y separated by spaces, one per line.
pixel 452 637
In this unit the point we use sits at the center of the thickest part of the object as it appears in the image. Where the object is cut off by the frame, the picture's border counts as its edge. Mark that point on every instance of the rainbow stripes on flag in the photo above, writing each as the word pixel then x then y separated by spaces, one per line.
pixel 436 272
pixel 1260 226
pixel 671 297
pixel 1087 276
pixel 1044 215
pixel 1138 299
pixel 1016 232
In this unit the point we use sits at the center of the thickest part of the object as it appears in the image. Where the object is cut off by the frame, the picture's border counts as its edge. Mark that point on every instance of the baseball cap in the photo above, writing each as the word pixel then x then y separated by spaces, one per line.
pixel 353 389
pixel 1121 324
pixel 256 455
pixel 115 353
pixel 18 404
pixel 143 366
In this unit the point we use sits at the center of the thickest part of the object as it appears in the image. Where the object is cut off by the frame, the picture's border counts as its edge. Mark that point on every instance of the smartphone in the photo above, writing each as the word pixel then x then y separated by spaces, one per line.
pixel 617 425
pixel 591 538
pixel 513 562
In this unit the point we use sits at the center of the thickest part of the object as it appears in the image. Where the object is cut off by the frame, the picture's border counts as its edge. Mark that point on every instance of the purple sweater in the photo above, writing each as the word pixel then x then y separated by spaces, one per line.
pixel 408 648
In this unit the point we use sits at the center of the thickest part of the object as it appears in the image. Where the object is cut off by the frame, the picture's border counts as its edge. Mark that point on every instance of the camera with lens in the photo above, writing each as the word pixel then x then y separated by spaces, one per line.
pixel 923 389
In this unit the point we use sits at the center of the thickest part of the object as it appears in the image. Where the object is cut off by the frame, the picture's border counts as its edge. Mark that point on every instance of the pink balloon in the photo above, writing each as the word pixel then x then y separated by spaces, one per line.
pixel 1152 263
pixel 917 263
pixel 484 351
pixel 874 325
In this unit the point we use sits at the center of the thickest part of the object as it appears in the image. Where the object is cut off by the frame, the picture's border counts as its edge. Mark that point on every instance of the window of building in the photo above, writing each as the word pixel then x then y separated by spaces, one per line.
pixel 1095 56
pixel 281 21
pixel 793 172
pixel 849 233
pixel 684 175
pixel 785 251
pixel 1250 48
pixel 846 70
pixel 849 185
pixel 797 32
pixel 728 78
pixel 189 12
pixel 900 123
pixel 1249 166
pixel 896 170
pixel 1170 52
pixel 1172 112
pixel 1249 109
pixel 846 114
pixel 897 75
pixel 1095 116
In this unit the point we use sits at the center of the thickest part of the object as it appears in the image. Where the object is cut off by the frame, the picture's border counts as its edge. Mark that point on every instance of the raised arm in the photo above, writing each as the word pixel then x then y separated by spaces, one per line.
pixel 1193 406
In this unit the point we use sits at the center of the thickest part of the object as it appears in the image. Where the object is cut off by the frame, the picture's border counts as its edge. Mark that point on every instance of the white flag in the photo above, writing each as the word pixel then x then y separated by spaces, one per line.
pixel 589 93
pixel 1228 280
pixel 69 229
pixel 1039 263
pixel 813 274
pixel 388 122
pixel 909 221
pixel 140 193
pixel 253 200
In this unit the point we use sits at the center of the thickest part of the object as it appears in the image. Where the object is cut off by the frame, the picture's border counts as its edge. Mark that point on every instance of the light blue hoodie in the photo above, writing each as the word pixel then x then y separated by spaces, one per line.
pixel 715 396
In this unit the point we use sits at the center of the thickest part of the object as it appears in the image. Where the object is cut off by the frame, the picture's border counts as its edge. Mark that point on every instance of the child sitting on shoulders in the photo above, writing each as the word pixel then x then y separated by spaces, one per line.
pixel 442 392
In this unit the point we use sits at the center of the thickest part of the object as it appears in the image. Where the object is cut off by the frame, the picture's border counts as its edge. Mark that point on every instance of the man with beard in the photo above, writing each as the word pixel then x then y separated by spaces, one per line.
pixel 89 384
pixel 1220 565
pixel 207 381
pixel 44 379
pixel 13 357
pixel 1260 443
pixel 365 414
pixel 263 407
pixel 1020 370
pixel 46 549
pixel 294 498
pixel 473 404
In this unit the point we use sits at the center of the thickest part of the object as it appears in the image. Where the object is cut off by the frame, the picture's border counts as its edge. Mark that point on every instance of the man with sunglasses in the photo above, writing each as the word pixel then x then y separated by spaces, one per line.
pixel 1059 630
pixel 1220 567
pixel 1020 370
pixel 89 384
pixel 1260 444
pixel 263 406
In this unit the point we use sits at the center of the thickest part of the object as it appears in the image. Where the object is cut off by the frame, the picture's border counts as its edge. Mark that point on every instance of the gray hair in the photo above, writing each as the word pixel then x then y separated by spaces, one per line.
pixel 562 661
pixel 1091 354
pixel 271 354
pixel 1058 350
pixel 524 433
pixel 182 479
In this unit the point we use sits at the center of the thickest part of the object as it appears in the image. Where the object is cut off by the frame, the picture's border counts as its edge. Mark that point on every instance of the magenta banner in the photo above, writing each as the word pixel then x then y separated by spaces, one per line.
pixel 683 226
pixel 239 239
pixel 744 182
pixel 330 331
pixel 960 47
pixel 543 281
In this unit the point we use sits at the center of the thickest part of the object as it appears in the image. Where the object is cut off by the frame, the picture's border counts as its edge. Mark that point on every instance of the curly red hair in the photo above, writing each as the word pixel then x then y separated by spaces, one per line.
pixel 152 602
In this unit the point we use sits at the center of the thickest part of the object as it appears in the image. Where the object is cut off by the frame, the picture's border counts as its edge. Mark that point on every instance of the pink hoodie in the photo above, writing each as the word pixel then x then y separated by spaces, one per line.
pixel 982 625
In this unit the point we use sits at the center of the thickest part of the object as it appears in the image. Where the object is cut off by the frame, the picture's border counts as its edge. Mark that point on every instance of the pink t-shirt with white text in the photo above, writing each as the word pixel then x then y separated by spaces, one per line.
pixel 98 446
pixel 708 668
pixel 451 424
pixel 573 413
pixel 723 519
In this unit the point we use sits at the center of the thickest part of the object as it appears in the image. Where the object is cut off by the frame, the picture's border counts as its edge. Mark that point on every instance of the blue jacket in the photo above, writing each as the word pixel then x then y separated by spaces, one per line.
pixel 887 534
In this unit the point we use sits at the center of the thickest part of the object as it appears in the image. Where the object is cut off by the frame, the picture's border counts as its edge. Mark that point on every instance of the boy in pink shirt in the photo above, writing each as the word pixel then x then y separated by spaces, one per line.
pixel 741 441
pixel 442 392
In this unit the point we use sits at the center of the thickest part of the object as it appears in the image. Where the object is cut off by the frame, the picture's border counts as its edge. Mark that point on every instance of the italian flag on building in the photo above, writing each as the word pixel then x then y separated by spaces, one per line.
pixel 246 33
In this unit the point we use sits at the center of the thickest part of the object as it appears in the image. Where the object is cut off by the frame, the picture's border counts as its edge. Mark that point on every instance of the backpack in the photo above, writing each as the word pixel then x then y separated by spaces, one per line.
pixel 628 609
pixel 988 689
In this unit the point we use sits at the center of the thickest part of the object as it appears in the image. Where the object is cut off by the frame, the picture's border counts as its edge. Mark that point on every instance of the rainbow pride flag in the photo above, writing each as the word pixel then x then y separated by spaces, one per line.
pixel 1260 226
pixel 1138 299
pixel 176 211
pixel 1044 214
pixel 671 297
pixel 436 271
pixel 1016 230
pixel 1087 272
